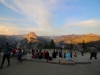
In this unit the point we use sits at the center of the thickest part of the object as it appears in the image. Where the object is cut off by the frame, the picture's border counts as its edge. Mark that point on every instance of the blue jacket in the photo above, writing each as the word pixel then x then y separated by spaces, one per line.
pixel 67 55
pixel 7 50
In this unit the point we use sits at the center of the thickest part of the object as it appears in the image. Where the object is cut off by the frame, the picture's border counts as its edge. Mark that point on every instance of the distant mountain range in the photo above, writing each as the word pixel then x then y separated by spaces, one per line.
pixel 31 39
pixel 75 39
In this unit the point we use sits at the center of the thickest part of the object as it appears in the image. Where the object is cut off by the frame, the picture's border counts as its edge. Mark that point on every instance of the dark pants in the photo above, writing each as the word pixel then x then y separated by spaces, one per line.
pixel 82 53
pixel 19 59
pixel 93 54
pixel 4 57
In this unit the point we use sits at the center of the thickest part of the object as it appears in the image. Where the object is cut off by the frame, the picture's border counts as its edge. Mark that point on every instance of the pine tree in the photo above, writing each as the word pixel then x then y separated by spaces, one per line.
pixel 52 44
pixel 45 45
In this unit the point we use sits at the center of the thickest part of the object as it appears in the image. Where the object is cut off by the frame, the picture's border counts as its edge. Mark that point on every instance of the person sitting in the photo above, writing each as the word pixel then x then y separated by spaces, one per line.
pixel 40 54
pixel 93 52
pixel 54 54
pixel 43 54
pixel 67 55
pixel 46 55
pixel 36 54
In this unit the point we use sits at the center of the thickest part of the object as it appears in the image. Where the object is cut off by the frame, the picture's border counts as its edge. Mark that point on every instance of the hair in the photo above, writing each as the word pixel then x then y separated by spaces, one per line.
pixel 7 43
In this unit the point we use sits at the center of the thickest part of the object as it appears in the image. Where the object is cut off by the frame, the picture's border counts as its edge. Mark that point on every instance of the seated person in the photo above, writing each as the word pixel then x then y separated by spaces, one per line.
pixel 54 54
pixel 67 55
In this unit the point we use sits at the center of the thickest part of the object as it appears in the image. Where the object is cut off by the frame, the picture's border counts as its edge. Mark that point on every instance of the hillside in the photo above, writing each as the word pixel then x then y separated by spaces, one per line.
pixel 75 39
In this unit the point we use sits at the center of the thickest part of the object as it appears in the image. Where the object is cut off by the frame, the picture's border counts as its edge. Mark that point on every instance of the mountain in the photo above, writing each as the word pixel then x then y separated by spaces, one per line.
pixel 13 40
pixel 75 39
pixel 31 40
pixel 31 37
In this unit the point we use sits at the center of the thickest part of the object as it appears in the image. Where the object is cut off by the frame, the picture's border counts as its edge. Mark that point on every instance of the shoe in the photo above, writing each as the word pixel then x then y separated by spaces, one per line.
pixel 8 65
pixel 1 67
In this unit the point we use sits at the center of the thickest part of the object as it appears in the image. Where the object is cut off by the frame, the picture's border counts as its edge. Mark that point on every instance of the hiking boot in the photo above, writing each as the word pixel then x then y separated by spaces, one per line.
pixel 1 67
pixel 8 65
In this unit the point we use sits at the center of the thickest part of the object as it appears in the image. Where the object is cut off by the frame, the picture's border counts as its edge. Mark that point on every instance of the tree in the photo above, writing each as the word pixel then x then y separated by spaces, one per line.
pixel 84 45
pixel 71 46
pixel 52 44
pixel 45 45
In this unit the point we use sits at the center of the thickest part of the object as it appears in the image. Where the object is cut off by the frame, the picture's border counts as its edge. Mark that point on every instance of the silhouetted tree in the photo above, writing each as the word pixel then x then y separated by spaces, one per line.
pixel 52 44
pixel 71 46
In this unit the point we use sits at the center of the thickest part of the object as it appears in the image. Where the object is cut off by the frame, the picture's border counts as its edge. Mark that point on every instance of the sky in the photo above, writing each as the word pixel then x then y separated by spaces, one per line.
pixel 49 17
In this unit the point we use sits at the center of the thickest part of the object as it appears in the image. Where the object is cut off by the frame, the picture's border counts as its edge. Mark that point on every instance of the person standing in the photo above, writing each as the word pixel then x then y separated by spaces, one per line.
pixel 82 51
pixel 93 52
pixel 6 54
pixel 20 55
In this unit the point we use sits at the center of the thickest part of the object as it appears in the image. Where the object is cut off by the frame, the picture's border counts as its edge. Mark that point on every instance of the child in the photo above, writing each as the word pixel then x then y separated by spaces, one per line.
pixel 20 56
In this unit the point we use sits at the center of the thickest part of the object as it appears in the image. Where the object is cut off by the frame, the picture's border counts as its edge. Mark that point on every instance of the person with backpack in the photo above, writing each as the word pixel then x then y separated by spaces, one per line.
pixel 6 54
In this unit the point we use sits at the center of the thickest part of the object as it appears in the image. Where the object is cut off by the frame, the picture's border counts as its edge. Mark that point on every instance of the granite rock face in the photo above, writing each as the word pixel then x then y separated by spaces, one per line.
pixel 31 37
pixel 30 41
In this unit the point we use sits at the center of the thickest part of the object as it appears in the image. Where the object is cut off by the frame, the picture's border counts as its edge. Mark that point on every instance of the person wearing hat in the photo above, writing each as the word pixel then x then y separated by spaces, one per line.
pixel 67 55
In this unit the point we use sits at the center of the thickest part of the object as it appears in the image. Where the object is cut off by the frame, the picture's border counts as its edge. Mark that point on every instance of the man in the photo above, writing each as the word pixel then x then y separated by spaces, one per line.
pixel 93 52
pixel 82 51
pixel 6 54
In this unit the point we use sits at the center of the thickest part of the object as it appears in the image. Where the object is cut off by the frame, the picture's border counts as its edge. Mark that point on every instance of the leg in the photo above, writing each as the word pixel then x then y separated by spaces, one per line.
pixel 8 58
pixel 95 55
pixel 91 56
pixel 4 57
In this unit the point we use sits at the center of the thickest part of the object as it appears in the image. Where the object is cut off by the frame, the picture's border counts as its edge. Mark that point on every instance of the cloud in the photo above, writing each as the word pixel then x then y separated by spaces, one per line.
pixel 35 10
pixel 11 30
pixel 84 23
pixel 40 13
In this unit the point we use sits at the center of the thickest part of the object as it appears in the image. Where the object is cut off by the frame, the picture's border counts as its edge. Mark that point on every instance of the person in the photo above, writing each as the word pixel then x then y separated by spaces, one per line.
pixel 20 56
pixel 36 54
pixel 67 55
pixel 33 51
pixel 93 52
pixel 46 55
pixel 43 54
pixel 54 54
pixel 24 51
pixel 82 51
pixel 14 52
pixel 6 54
pixel 17 51
pixel 71 53
pixel 60 54
pixel 40 54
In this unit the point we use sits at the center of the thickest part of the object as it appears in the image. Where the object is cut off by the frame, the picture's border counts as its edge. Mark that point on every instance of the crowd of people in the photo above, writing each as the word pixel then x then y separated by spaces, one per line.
pixel 40 54
pixel 9 52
